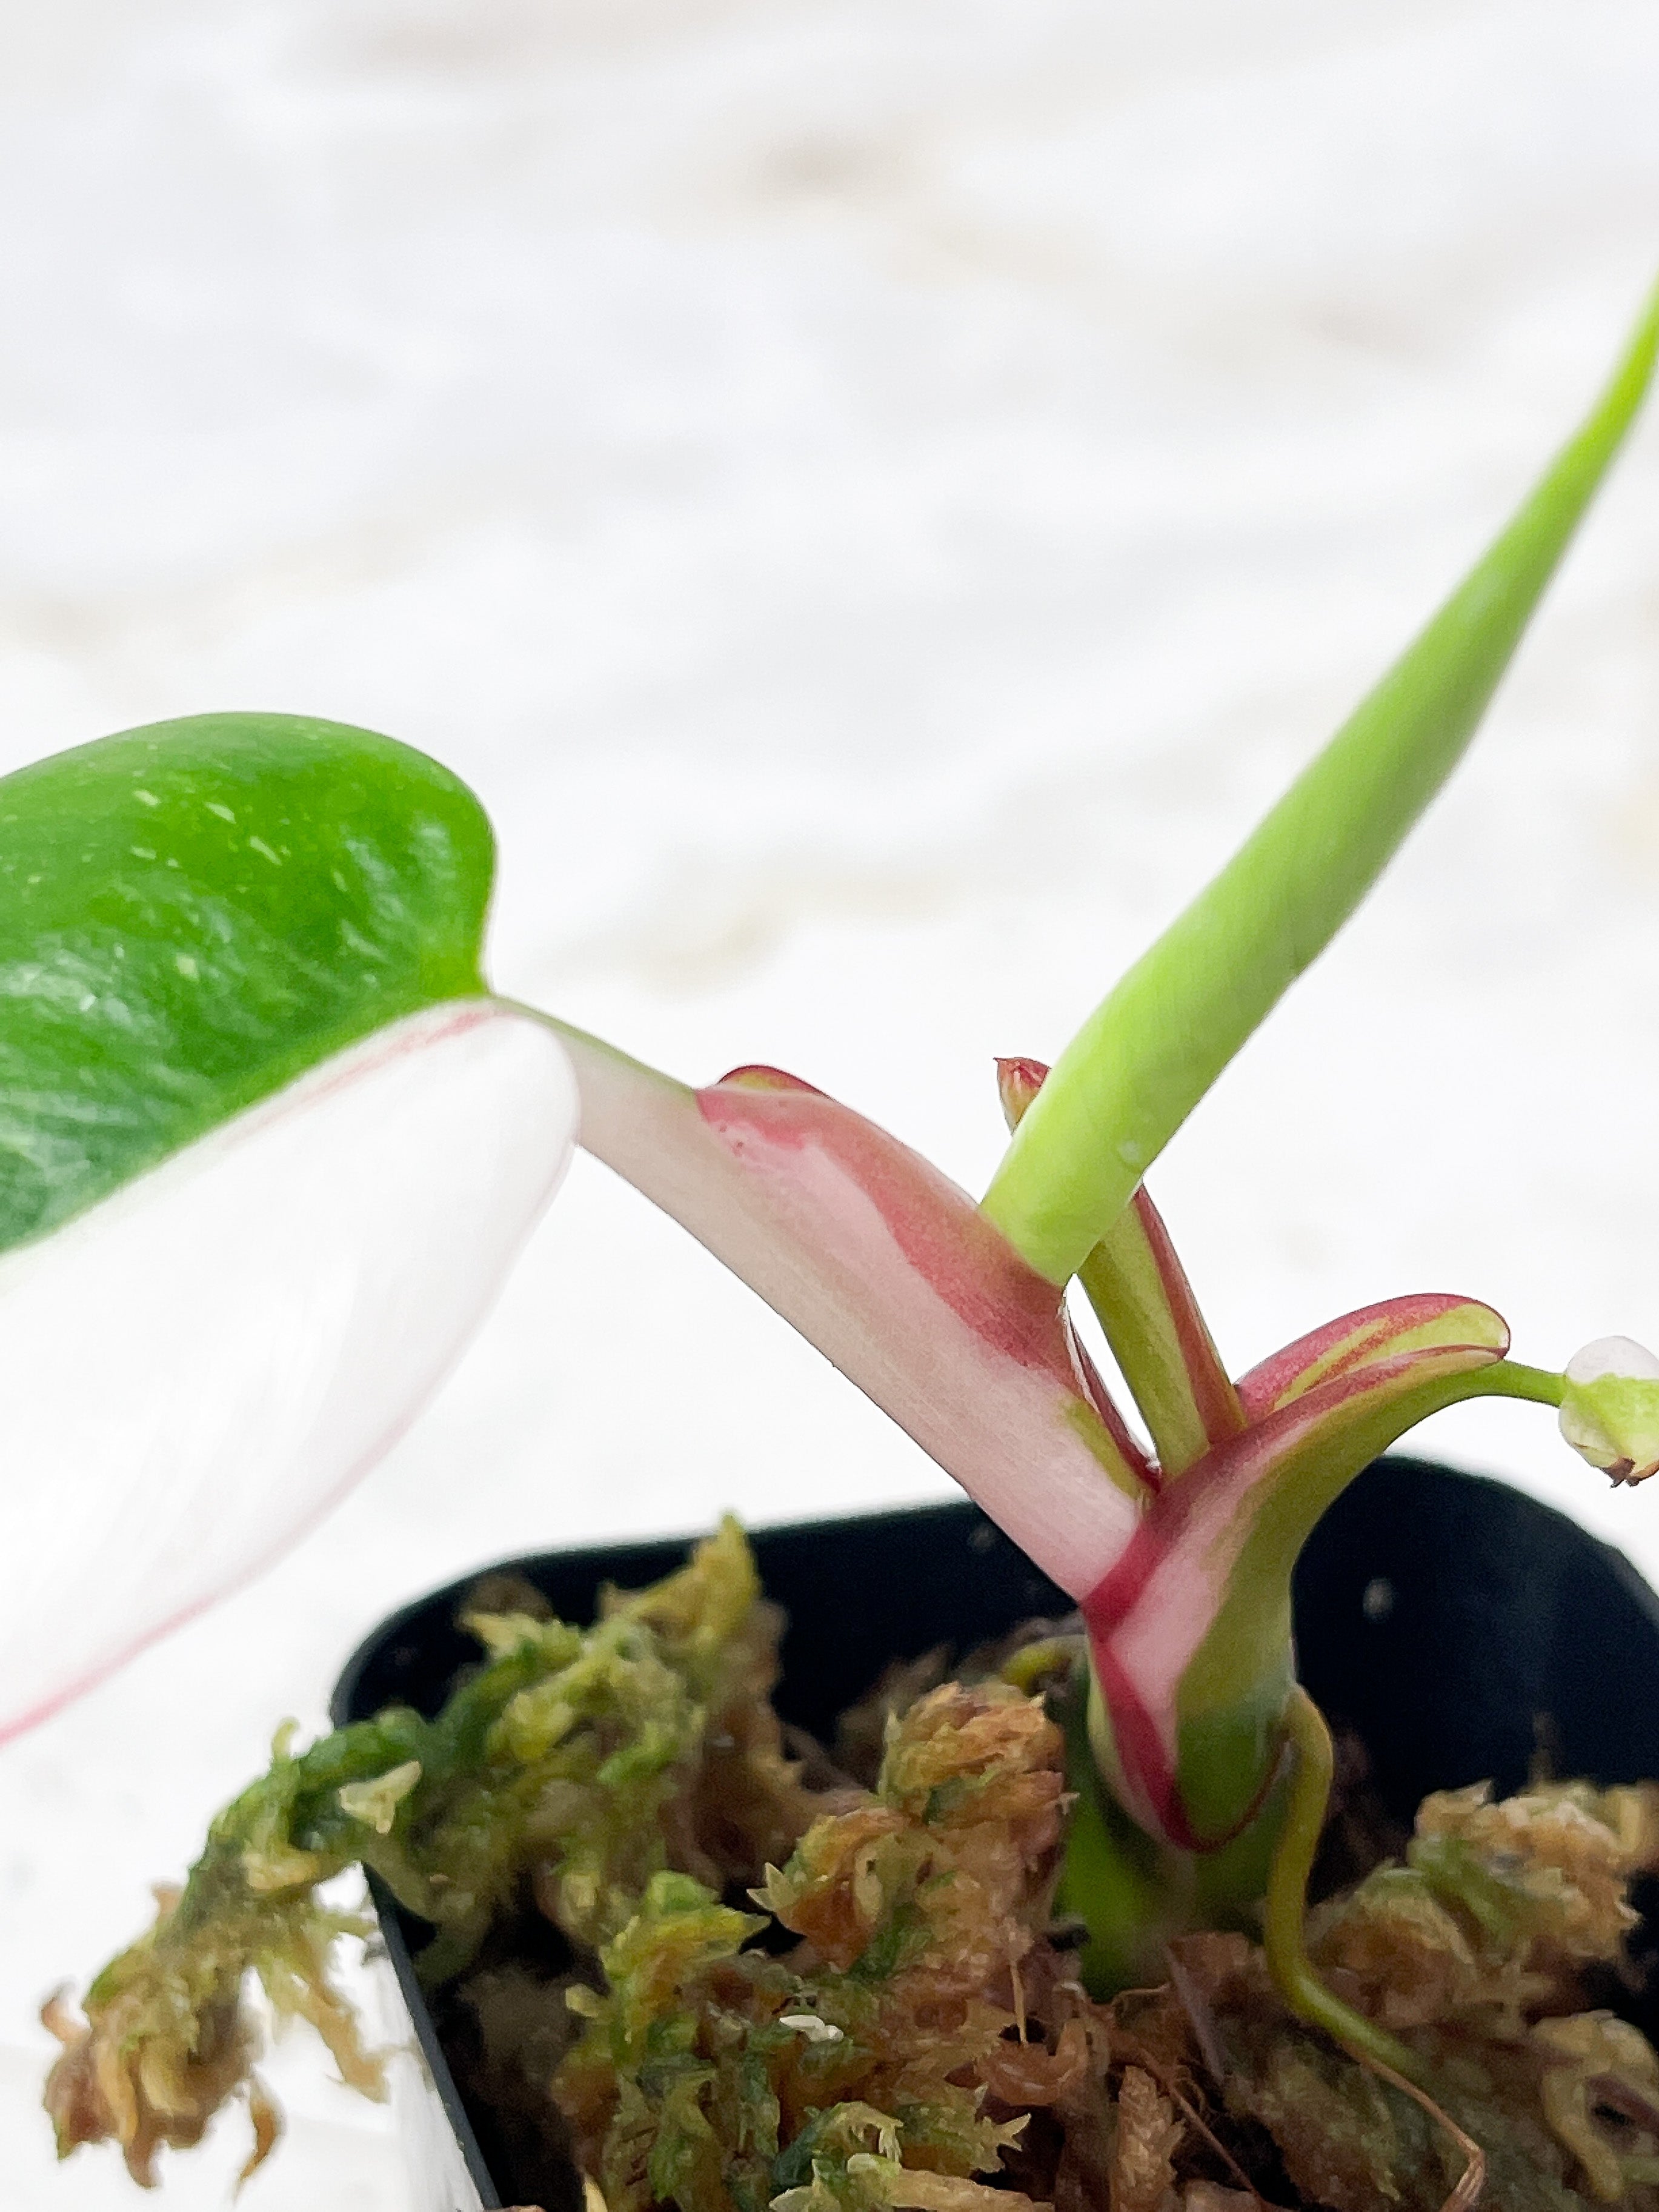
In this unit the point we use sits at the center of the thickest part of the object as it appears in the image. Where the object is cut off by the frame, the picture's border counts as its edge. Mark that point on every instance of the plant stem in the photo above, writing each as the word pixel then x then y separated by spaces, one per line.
pixel 1508 1378
pixel 1287 1905
pixel 1159 1339
pixel 1133 1893
pixel 1143 1301
pixel 1112 1877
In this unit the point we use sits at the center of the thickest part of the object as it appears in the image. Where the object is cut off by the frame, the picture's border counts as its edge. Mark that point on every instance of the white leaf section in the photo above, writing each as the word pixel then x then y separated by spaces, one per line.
pixel 895 1276
pixel 1610 1409
pixel 191 1372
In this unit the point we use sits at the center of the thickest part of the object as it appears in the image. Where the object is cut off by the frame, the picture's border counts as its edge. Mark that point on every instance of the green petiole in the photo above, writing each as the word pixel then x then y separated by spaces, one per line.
pixel 1285 1910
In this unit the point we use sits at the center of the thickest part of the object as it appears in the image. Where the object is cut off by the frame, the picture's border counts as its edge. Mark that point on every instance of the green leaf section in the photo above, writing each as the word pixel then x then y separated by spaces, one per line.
pixel 1231 1697
pixel 1147 1056
pixel 194 913
pixel 1159 1339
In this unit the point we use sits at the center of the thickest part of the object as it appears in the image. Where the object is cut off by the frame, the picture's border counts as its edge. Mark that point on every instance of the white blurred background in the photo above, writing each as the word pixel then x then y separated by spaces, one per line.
pixel 877 495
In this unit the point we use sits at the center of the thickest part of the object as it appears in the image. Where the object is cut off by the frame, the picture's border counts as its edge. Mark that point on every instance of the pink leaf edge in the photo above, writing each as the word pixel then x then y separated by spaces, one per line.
pixel 1151 1612
pixel 892 1271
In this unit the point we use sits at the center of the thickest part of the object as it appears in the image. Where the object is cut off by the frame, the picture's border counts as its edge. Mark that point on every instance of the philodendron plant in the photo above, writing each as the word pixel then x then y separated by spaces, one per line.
pixel 269 1143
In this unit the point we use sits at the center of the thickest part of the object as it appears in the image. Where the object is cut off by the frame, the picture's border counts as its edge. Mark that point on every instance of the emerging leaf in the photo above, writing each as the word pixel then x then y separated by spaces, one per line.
pixel 1149 1052
pixel 1610 1407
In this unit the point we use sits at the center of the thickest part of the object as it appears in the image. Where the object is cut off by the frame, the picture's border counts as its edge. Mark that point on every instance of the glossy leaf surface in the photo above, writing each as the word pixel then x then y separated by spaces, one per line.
pixel 192 913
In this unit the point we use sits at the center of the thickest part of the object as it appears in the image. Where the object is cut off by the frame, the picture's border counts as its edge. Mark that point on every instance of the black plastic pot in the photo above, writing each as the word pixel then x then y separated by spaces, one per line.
pixel 1457 1626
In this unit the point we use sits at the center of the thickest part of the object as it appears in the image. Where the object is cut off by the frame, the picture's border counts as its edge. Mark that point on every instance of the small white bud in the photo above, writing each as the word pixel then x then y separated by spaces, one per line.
pixel 1610 1409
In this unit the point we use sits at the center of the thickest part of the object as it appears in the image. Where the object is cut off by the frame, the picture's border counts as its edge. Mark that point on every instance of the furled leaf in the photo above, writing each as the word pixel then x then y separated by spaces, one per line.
pixel 1152 1048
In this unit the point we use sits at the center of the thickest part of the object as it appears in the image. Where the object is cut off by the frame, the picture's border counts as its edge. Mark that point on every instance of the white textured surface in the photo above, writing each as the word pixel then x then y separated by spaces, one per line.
pixel 876 494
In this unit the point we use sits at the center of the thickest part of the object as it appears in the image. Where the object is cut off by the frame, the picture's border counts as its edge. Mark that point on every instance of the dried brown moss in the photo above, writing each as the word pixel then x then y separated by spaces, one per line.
pixel 848 2074
pixel 1472 1952
pixel 1191 2096
pixel 589 1822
